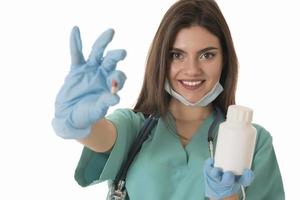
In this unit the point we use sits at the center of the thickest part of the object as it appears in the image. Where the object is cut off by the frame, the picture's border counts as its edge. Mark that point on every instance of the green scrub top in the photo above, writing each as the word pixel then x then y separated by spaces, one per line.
pixel 165 170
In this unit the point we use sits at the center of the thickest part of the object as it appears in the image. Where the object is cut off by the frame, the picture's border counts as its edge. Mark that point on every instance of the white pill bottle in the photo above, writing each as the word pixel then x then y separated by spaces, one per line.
pixel 236 140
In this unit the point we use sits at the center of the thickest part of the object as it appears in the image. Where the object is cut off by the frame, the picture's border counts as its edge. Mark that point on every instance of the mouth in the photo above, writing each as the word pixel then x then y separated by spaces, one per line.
pixel 191 84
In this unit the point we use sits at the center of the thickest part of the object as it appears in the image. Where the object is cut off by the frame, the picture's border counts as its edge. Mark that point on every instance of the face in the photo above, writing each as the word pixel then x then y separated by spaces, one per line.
pixel 196 62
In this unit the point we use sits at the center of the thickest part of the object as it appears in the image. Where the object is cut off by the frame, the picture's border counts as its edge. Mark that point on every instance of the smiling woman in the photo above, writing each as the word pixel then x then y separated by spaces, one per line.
pixel 196 63
pixel 190 80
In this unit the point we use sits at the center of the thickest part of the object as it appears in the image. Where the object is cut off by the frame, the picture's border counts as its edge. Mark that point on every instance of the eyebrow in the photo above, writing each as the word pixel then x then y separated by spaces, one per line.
pixel 199 52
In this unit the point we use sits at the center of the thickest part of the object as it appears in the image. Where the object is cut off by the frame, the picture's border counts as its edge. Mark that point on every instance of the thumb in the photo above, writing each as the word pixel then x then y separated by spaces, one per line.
pixel 107 99
pixel 104 101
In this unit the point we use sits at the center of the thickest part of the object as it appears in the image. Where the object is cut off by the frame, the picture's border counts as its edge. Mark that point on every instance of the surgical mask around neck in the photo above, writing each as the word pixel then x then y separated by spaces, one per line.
pixel 204 101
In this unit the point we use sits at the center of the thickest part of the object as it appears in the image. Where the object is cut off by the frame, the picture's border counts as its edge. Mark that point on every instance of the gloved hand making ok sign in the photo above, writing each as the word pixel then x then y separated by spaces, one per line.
pixel 86 94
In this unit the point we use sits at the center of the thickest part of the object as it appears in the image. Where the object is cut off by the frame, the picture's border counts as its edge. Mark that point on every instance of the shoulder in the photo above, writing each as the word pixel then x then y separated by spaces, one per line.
pixel 263 138
pixel 261 131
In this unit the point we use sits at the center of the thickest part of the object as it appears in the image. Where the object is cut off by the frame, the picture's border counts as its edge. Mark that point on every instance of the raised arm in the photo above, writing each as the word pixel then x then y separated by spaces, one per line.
pixel 85 96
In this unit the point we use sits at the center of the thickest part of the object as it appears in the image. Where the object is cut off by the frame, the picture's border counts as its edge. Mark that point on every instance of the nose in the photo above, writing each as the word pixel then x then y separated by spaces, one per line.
pixel 192 66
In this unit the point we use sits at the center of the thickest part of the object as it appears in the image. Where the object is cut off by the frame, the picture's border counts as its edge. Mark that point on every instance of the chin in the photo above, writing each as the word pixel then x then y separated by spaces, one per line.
pixel 193 100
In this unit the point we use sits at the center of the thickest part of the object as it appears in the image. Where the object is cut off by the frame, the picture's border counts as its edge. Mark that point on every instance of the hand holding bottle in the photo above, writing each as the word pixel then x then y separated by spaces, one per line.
pixel 220 184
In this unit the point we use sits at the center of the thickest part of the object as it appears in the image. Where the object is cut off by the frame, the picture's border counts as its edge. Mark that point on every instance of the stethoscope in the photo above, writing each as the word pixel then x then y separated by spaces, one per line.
pixel 211 130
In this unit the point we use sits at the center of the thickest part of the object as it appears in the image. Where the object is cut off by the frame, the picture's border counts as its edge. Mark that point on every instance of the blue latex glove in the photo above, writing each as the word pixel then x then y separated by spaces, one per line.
pixel 86 93
pixel 219 184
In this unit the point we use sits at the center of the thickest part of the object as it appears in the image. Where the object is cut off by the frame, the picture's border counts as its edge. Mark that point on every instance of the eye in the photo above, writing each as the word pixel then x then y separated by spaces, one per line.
pixel 207 55
pixel 176 55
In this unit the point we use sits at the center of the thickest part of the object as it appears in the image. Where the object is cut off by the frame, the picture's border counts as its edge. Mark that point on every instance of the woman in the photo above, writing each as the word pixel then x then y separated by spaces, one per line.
pixel 191 70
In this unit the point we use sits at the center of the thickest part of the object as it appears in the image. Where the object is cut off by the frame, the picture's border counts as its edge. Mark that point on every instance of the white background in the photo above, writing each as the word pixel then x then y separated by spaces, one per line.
pixel 34 59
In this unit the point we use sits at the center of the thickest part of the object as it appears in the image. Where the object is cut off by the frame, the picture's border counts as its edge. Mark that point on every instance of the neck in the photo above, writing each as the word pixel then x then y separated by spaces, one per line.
pixel 185 113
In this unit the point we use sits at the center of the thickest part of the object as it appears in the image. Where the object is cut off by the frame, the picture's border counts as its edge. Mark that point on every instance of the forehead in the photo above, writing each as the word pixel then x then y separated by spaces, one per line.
pixel 195 37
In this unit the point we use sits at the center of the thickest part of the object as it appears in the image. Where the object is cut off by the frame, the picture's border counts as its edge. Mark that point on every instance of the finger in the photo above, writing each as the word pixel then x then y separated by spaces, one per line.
pixel 216 173
pixel 100 44
pixel 102 104
pixel 247 177
pixel 77 58
pixel 213 172
pixel 208 163
pixel 107 99
pixel 117 76
pixel 112 58
pixel 228 178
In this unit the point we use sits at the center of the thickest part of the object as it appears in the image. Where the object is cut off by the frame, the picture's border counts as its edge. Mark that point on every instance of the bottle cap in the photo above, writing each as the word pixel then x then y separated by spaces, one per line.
pixel 239 113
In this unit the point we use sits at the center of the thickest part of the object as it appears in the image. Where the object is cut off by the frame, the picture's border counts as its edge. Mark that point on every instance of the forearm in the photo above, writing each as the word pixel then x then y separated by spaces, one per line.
pixel 101 138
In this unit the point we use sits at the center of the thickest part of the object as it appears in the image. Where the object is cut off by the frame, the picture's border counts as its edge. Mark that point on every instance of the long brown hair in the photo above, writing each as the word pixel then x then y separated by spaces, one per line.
pixel 185 13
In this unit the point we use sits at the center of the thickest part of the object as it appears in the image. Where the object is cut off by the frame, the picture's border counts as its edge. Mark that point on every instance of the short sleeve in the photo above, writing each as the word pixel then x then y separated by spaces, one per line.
pixel 96 167
pixel 90 167
pixel 267 183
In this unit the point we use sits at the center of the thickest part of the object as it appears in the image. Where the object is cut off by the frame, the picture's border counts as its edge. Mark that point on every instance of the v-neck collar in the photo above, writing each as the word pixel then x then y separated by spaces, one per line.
pixel 197 143
pixel 202 130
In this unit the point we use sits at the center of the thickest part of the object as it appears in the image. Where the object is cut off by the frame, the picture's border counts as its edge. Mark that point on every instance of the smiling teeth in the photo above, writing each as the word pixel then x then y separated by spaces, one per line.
pixel 191 83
